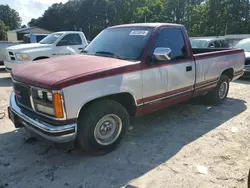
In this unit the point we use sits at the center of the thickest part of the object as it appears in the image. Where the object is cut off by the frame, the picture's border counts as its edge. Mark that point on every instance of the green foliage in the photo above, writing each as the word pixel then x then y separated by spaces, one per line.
pixel 10 17
pixel 3 29
pixel 201 17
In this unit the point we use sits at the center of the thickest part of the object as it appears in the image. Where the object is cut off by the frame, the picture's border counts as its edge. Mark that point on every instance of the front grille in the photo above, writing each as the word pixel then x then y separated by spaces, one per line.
pixel 22 95
pixel 247 62
pixel 11 56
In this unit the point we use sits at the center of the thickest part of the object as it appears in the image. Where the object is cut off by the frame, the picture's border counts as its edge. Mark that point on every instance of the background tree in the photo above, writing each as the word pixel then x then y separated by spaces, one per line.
pixel 10 17
pixel 201 17
pixel 3 30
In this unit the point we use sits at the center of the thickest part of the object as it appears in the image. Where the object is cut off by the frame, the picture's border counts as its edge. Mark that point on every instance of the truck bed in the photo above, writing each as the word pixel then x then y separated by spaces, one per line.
pixel 207 50
pixel 203 53
pixel 210 62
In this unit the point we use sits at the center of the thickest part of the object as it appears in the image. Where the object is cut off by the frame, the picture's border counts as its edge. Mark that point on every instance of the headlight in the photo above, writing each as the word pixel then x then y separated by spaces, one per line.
pixel 48 103
pixel 49 96
pixel 22 57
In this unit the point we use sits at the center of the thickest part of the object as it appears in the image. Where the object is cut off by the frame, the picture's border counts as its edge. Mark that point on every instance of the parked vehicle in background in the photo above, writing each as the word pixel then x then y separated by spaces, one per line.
pixel 33 38
pixel 3 46
pixel 127 70
pixel 245 45
pixel 209 43
pixel 55 44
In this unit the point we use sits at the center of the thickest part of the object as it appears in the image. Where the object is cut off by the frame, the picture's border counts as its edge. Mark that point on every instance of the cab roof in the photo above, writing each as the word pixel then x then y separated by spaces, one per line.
pixel 146 25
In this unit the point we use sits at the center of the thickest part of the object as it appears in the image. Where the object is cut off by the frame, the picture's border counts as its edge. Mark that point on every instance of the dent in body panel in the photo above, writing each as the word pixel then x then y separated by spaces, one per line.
pixel 152 82
pixel 178 77
pixel 77 96
pixel 211 68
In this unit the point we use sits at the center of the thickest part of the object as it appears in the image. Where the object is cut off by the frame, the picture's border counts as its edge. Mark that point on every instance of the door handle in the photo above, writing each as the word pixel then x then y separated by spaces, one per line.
pixel 80 48
pixel 188 68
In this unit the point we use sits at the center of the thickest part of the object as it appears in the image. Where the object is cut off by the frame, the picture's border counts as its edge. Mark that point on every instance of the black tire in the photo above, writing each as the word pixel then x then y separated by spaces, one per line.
pixel 248 180
pixel 88 121
pixel 213 97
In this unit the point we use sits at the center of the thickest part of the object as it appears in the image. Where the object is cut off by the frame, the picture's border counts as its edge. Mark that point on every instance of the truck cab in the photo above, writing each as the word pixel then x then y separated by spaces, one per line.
pixel 55 44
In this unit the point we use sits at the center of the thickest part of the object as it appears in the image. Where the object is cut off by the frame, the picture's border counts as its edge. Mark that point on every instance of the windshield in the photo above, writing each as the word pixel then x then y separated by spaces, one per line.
pixel 124 43
pixel 50 39
pixel 244 44
pixel 199 43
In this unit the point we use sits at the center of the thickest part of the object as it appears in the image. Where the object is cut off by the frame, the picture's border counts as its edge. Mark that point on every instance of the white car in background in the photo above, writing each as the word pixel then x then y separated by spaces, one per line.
pixel 55 44
pixel 245 45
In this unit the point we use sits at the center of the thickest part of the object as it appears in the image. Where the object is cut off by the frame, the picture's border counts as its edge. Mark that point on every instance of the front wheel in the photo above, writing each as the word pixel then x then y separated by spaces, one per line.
pixel 219 94
pixel 101 126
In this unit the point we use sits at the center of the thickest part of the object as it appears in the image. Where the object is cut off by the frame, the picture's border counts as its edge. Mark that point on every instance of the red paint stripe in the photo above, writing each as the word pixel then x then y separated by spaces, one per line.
pixel 204 89
pixel 171 63
pixel 146 109
pixel 166 94
pixel 100 75
pixel 206 82
pixel 217 54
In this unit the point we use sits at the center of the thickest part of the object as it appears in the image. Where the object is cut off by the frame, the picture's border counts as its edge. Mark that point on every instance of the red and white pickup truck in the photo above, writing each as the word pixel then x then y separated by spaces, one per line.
pixel 127 70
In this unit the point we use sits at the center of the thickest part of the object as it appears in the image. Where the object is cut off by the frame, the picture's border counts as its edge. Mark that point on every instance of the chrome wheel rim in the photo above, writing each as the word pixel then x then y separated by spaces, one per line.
pixel 108 129
pixel 223 90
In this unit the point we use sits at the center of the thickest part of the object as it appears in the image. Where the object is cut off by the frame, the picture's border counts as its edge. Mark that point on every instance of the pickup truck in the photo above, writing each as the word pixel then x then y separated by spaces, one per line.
pixel 55 44
pixel 127 70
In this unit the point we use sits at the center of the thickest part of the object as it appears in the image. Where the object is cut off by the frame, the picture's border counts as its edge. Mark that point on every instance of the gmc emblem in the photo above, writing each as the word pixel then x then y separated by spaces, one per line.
pixel 18 94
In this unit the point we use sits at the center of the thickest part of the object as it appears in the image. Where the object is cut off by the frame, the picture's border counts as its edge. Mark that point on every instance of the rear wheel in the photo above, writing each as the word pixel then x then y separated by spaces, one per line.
pixel 101 126
pixel 219 94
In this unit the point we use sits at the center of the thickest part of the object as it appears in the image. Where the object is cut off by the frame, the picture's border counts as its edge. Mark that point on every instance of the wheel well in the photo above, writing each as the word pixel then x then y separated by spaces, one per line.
pixel 229 73
pixel 42 57
pixel 125 99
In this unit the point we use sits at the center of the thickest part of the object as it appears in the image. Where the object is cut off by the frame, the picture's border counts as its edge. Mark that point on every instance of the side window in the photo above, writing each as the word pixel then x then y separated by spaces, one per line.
pixel 172 38
pixel 217 44
pixel 71 39
pixel 211 45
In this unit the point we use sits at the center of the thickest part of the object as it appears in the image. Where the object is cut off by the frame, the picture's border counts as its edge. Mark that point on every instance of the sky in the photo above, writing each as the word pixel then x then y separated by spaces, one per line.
pixel 29 9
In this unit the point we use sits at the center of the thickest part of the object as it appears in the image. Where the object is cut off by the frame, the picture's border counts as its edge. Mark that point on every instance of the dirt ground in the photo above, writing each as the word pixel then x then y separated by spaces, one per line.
pixel 189 145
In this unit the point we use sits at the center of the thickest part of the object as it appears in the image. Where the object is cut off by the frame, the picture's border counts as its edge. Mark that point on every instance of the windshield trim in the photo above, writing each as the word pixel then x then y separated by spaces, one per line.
pixel 60 36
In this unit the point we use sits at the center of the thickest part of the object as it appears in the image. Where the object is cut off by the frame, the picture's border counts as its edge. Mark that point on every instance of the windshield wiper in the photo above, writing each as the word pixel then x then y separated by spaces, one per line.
pixel 110 54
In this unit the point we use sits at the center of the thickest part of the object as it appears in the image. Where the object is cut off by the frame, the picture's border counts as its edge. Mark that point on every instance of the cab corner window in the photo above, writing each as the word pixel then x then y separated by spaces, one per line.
pixel 172 38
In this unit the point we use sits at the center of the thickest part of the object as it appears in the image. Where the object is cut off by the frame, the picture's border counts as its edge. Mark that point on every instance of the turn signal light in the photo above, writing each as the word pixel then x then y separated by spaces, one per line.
pixel 58 105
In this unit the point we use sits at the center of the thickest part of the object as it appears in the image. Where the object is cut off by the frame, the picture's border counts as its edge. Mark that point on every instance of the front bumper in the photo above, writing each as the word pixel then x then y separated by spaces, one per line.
pixel 10 64
pixel 59 134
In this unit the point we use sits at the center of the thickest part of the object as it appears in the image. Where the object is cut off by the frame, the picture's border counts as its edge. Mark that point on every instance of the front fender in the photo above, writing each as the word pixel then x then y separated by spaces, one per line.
pixel 77 96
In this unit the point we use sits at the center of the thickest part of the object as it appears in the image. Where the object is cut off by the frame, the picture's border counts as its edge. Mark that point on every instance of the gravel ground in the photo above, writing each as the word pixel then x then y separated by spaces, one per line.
pixel 188 145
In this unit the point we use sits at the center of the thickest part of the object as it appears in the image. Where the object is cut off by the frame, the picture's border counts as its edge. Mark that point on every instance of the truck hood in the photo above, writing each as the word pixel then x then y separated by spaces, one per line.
pixel 24 47
pixel 61 72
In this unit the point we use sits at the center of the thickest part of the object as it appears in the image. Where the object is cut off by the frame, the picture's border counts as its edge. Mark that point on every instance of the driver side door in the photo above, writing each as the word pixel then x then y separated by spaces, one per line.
pixel 70 44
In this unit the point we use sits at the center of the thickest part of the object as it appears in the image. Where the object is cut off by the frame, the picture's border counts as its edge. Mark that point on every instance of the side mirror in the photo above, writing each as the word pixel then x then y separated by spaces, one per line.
pixel 63 43
pixel 162 54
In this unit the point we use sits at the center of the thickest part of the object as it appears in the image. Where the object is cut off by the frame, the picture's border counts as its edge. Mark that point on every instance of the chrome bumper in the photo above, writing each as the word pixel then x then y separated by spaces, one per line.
pixel 59 134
